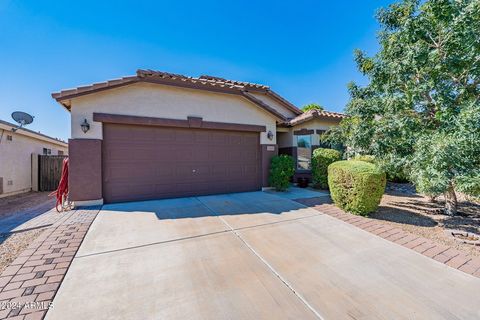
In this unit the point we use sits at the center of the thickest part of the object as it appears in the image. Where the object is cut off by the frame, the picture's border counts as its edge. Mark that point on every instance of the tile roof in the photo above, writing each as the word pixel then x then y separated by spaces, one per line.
pixel 318 114
pixel 204 82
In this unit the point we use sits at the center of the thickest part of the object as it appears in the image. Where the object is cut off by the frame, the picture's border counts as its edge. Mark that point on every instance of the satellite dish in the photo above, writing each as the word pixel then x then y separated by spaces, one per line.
pixel 22 118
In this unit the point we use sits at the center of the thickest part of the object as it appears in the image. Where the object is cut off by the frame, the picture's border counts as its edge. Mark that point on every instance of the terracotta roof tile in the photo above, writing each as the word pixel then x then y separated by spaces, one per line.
pixel 203 79
pixel 311 114
pixel 205 82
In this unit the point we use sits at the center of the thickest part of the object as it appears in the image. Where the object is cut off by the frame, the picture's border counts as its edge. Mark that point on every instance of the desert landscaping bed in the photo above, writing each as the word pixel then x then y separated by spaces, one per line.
pixel 402 207
pixel 11 245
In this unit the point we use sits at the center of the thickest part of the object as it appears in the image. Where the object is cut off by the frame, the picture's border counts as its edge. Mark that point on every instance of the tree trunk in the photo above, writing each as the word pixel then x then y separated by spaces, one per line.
pixel 450 201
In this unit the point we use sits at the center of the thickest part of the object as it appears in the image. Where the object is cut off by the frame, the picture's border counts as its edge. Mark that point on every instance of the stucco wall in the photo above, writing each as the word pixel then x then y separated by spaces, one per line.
pixel 161 101
pixel 274 104
pixel 315 124
pixel 15 159
pixel 285 139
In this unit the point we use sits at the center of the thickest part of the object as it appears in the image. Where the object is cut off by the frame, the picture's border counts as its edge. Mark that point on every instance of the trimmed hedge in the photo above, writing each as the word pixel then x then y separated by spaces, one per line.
pixel 321 159
pixel 356 186
pixel 282 169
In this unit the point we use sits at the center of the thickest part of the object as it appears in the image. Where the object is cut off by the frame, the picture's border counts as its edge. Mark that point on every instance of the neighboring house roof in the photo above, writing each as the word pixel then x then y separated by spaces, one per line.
pixel 315 114
pixel 203 82
pixel 31 133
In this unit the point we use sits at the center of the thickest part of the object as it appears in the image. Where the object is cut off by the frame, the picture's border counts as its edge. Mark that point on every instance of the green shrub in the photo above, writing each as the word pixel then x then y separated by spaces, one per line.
pixel 366 158
pixel 396 168
pixel 282 169
pixel 321 159
pixel 356 186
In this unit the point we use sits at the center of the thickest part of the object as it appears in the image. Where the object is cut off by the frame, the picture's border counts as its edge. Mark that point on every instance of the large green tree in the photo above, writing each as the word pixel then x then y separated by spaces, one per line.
pixel 420 112
pixel 312 106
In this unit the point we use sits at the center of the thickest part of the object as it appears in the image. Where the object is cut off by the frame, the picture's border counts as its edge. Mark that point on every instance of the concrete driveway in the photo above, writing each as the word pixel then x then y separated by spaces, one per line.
pixel 251 256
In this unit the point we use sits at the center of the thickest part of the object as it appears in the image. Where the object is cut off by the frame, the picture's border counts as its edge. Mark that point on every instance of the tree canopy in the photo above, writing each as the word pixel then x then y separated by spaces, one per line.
pixel 312 106
pixel 419 115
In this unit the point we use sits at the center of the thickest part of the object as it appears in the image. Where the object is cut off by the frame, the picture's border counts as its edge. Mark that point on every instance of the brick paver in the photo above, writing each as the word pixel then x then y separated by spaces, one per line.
pixel 29 284
pixel 428 248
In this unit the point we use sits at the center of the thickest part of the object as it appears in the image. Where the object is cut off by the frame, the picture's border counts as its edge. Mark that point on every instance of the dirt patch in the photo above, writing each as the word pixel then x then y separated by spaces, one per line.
pixel 405 209
pixel 25 202
pixel 13 244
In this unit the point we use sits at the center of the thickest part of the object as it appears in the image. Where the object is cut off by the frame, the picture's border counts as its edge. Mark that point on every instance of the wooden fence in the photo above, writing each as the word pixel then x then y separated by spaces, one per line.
pixel 49 172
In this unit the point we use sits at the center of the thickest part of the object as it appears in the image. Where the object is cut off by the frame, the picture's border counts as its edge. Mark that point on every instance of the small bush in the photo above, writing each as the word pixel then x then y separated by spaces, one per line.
pixel 282 169
pixel 356 186
pixel 366 158
pixel 321 159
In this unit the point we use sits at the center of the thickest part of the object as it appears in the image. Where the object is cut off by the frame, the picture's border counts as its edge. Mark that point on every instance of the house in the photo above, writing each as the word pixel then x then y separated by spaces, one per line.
pixel 162 135
pixel 16 149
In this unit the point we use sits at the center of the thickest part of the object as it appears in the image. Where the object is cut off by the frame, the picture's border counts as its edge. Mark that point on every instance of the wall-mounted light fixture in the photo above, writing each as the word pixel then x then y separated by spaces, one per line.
pixel 270 135
pixel 85 126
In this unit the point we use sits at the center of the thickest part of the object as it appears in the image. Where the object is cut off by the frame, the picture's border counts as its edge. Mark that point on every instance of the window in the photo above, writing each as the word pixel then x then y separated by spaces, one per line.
pixel 60 152
pixel 47 151
pixel 9 138
pixel 304 152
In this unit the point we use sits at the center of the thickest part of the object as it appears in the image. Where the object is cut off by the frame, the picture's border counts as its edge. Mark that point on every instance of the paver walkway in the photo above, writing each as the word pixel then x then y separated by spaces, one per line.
pixel 29 284
pixel 28 220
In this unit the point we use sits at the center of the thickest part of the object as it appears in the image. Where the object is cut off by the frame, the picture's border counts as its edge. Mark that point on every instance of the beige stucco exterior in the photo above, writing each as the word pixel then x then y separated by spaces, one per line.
pixel 155 96
pixel 288 139
pixel 162 101
pixel 274 104
pixel 16 154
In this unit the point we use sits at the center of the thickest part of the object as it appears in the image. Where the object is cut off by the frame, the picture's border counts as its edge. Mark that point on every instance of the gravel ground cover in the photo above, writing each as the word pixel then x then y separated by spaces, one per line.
pixel 11 245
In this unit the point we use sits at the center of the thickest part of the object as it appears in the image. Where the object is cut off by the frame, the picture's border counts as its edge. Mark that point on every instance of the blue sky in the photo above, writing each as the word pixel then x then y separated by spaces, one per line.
pixel 302 49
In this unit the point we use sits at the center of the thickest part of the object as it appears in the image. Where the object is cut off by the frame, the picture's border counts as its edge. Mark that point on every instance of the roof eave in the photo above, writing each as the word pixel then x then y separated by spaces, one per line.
pixel 315 116
pixel 263 105
pixel 283 101
pixel 64 99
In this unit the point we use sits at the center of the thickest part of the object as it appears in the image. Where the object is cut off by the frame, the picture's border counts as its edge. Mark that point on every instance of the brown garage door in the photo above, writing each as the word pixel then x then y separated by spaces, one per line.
pixel 144 162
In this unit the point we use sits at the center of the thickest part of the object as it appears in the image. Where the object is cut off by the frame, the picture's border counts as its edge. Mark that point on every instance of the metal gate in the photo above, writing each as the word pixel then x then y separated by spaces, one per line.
pixel 49 172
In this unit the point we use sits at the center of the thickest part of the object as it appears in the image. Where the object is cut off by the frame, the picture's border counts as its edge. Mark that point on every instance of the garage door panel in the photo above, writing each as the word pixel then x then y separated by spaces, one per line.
pixel 249 155
pixel 122 192
pixel 219 138
pixel 183 137
pixel 250 171
pixel 218 154
pixel 117 151
pixel 235 155
pixel 202 136
pixel 134 176
pixel 144 162
pixel 163 135
pixel 235 139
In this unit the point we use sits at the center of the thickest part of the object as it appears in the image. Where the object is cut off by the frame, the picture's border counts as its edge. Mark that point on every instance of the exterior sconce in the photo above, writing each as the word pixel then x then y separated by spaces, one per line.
pixel 270 135
pixel 85 126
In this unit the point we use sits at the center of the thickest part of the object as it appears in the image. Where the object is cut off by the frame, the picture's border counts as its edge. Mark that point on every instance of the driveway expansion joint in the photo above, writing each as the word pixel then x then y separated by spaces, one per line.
pixel 195 236
pixel 268 265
